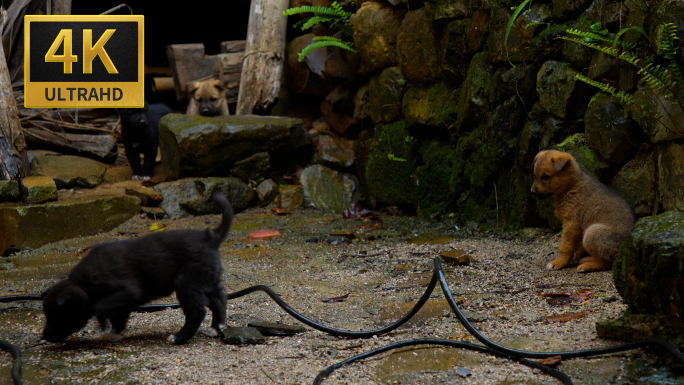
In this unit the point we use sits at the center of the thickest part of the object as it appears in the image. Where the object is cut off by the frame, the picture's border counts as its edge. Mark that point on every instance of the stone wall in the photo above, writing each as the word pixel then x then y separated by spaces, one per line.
pixel 442 120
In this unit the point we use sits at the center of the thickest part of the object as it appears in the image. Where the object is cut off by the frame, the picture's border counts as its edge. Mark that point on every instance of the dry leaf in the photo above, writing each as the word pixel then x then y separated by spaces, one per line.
pixel 335 299
pixel 551 361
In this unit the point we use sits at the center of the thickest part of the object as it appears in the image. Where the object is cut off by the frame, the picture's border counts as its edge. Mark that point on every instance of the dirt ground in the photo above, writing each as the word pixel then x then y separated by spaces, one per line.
pixel 382 273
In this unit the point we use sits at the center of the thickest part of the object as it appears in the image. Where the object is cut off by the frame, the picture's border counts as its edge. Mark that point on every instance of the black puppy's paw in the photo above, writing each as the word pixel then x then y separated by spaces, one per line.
pixel 212 331
pixel 110 337
pixel 176 339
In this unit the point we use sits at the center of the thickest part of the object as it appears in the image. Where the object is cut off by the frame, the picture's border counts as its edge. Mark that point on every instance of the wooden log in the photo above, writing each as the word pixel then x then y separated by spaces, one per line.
pixel 188 63
pixel 233 46
pixel 264 56
pixel 228 67
pixel 61 7
pixel 99 147
pixel 13 158
pixel 161 84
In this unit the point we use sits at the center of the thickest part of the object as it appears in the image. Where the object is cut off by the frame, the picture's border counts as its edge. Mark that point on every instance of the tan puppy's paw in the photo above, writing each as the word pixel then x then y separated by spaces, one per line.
pixel 556 264
pixel 593 264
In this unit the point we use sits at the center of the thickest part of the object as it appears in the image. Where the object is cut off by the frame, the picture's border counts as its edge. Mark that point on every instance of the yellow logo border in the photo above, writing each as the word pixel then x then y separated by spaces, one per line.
pixel 133 92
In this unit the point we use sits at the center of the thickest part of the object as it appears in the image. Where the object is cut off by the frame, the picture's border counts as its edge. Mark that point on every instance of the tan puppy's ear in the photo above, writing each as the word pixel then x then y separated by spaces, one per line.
pixel 192 87
pixel 560 161
pixel 218 84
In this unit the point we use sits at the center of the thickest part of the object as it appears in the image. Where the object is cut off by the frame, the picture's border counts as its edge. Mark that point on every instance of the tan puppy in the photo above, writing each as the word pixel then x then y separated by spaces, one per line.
pixel 208 99
pixel 595 218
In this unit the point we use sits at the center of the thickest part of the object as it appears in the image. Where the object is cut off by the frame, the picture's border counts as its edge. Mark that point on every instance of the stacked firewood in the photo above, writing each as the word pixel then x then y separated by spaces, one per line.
pixel 89 132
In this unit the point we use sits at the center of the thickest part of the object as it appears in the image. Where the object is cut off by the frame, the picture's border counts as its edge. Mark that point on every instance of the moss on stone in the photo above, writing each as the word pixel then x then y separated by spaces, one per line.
pixel 434 105
pixel 390 179
pixel 649 269
pixel 431 192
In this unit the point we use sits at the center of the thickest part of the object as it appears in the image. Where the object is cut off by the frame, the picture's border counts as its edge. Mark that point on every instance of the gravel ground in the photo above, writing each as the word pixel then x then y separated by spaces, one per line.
pixel 382 272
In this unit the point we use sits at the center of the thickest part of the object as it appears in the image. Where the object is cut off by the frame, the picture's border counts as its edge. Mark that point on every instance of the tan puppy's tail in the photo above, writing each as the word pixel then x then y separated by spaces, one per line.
pixel 603 244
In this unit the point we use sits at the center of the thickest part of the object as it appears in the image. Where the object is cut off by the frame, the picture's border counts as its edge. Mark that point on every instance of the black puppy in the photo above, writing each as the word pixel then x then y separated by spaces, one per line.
pixel 116 277
pixel 140 131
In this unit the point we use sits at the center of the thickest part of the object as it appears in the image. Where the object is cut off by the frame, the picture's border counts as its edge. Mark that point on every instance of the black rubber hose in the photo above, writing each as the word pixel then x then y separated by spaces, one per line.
pixel 438 275
pixel 454 344
pixel 337 332
pixel 570 354
pixel 14 298
pixel 16 353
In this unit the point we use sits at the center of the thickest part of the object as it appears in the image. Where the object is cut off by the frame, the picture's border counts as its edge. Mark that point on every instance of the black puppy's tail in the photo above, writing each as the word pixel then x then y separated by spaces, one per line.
pixel 221 232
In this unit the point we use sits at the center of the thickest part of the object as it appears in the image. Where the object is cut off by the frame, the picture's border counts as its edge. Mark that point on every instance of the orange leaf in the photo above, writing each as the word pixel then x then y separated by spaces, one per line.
pixel 551 361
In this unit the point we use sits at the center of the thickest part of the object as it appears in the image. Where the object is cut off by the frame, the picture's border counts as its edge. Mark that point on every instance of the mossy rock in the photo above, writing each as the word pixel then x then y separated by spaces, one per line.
pixel 390 163
pixel 31 226
pixel 9 190
pixel 649 270
pixel 432 105
pixel 545 44
pixel 431 192
pixel 210 146
pixel 473 99
pixel 386 90
pixel 578 54
pixel 590 161
pixel 560 92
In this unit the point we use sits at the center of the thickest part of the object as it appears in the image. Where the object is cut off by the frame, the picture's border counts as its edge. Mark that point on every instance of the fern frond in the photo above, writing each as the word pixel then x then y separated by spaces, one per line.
pixel 667 34
pixel 326 38
pixel 588 36
pixel 311 9
pixel 608 50
pixel 325 43
pixel 313 20
pixel 605 87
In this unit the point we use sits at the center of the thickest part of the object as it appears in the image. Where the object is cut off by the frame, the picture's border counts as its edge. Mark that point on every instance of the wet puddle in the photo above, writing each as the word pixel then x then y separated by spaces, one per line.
pixel 406 365
pixel 430 239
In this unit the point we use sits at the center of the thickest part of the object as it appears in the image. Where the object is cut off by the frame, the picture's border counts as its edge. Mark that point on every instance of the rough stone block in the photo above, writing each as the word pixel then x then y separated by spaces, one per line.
pixel 195 146
pixel 649 271
pixel 242 336
pixel 69 171
pixel 38 189
pixel 9 190
pixel 291 197
pixel 26 227
pixel 193 196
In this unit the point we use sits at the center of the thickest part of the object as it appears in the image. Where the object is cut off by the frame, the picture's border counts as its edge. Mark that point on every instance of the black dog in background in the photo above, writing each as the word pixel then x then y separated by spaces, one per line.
pixel 140 131
pixel 116 277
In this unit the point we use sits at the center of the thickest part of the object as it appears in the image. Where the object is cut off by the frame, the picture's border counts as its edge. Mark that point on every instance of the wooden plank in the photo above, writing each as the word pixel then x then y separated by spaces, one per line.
pixel 41 135
pixel 13 158
pixel 228 67
pixel 264 56
pixel 188 63
pixel 233 46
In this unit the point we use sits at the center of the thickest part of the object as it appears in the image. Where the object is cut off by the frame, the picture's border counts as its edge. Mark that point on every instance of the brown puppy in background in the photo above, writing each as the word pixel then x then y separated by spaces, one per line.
pixel 595 218
pixel 208 99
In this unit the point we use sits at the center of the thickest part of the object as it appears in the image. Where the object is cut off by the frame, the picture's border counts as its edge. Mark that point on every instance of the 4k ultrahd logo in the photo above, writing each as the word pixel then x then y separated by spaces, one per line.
pixel 83 61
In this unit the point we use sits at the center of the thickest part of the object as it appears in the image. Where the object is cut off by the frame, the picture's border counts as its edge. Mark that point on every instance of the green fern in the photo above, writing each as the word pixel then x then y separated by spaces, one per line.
pixel 605 87
pixel 335 15
pixel 660 78
pixel 325 43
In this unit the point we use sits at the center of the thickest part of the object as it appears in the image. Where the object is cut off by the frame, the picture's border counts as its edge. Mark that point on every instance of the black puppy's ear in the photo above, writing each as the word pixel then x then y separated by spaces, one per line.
pixel 45 293
pixel 62 298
